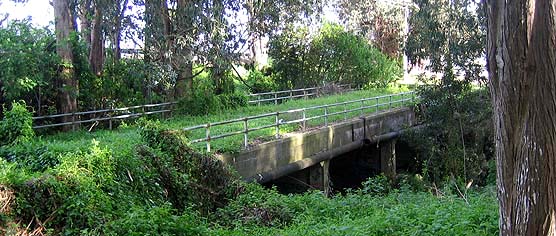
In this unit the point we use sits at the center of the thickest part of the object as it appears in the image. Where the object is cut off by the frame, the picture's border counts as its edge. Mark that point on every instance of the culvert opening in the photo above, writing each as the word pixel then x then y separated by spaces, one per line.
pixel 346 171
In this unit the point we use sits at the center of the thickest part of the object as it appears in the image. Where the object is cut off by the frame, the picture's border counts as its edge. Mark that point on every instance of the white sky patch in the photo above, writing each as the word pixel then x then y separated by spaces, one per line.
pixel 40 11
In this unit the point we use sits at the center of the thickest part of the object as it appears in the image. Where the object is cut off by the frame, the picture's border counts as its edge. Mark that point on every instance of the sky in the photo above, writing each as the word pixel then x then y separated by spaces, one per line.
pixel 42 13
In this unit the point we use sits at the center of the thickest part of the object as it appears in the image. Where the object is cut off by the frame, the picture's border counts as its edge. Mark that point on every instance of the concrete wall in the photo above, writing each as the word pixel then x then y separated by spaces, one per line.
pixel 278 153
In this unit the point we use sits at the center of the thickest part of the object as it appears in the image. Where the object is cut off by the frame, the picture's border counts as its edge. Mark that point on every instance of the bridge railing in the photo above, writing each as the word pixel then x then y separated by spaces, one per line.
pixel 113 114
pixel 321 115
pixel 109 115
pixel 277 96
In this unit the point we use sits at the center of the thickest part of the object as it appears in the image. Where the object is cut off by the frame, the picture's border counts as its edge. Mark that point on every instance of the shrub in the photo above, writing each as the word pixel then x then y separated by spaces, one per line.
pixel 17 125
pixel 458 140
pixel 376 186
pixel 187 176
pixel 31 156
pixel 332 56
pixel 256 206
pixel 161 220
pixel 260 83
pixel 205 101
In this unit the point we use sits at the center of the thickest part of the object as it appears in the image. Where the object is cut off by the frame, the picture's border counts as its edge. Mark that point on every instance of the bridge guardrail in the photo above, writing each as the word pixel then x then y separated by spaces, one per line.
pixel 114 114
pixel 328 111
pixel 109 115
pixel 275 97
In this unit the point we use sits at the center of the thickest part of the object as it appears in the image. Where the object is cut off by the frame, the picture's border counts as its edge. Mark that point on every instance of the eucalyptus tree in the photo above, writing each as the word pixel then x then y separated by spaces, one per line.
pixel 266 18
pixel 182 33
pixel 522 71
pixel 67 82
pixel 447 37
pixel 382 22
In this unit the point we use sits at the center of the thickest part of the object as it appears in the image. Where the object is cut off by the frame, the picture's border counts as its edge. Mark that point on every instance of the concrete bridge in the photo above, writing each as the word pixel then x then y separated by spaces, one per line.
pixel 307 155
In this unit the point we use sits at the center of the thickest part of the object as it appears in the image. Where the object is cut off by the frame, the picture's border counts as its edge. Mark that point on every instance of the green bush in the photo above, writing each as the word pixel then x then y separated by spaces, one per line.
pixel 17 125
pixel 255 207
pixel 376 186
pixel 260 83
pixel 458 140
pixel 205 101
pixel 187 176
pixel 157 221
pixel 28 60
pixel 28 155
pixel 332 56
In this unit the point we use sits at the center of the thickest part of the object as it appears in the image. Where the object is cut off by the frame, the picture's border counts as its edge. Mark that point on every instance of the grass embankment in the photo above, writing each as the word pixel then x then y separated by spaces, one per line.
pixel 123 138
pixel 397 213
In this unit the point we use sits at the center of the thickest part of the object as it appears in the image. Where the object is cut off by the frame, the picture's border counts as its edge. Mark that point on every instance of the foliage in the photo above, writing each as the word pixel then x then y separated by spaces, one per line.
pixel 205 101
pixel 381 22
pixel 342 57
pixel 332 56
pixel 255 207
pixel 450 35
pixel 157 220
pixel 186 175
pixel 97 191
pixel 28 61
pixel 31 156
pixel 17 125
pixel 260 82
pixel 396 213
pixel 125 82
pixel 376 186
pixel 458 140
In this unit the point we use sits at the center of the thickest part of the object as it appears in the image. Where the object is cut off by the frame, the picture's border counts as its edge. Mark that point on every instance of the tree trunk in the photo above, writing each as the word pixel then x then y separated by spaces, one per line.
pixel 117 33
pixel 84 14
pixel 1 99
pixel 67 85
pixel 182 56
pixel 522 69
pixel 96 55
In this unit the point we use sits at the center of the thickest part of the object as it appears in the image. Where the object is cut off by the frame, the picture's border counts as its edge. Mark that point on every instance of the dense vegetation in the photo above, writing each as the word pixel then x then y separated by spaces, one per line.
pixel 145 178
pixel 161 185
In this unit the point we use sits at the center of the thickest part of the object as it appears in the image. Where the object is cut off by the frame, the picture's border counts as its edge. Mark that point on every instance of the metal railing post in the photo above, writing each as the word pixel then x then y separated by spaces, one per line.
pixel 304 94
pixel 362 105
pixel 390 102
pixel 291 94
pixel 207 136
pixel 73 120
pixel 325 115
pixel 245 132
pixel 304 121
pixel 345 111
pixel 276 99
pixel 110 116
pixel 403 102
pixel 376 105
pixel 259 100
pixel 277 125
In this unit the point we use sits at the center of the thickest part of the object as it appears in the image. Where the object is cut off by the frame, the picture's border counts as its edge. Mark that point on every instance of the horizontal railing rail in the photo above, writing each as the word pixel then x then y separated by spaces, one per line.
pixel 109 115
pixel 328 110
pixel 277 96
pixel 113 114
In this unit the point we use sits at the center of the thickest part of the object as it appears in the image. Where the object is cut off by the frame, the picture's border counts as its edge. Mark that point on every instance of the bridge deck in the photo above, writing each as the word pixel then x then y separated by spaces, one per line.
pixel 311 146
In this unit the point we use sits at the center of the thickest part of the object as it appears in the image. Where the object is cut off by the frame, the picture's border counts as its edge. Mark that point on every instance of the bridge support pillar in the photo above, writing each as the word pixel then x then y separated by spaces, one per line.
pixel 319 177
pixel 388 158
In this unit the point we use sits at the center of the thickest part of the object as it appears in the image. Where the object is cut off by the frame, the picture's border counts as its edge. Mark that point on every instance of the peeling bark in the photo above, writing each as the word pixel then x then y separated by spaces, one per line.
pixel 522 69
pixel 67 84
pixel 96 54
